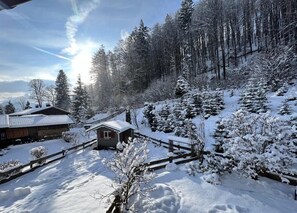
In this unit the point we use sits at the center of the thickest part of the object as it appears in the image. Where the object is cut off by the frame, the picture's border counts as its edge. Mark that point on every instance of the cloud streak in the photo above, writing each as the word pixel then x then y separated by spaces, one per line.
pixel 50 53
pixel 81 12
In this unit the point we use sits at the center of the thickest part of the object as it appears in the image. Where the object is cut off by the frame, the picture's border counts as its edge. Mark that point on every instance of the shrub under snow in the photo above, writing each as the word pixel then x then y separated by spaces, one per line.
pixel 38 152
pixel 9 165
pixel 258 143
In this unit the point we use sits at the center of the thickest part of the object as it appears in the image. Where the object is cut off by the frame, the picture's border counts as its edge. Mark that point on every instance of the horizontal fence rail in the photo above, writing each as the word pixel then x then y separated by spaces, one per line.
pixel 162 143
pixel 34 164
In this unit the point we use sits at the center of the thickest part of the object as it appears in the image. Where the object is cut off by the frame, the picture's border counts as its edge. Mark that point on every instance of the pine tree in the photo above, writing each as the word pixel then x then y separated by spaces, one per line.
pixel 27 106
pixel 80 104
pixel 9 108
pixel 1 110
pixel 182 87
pixel 185 19
pixel 62 91
pixel 285 109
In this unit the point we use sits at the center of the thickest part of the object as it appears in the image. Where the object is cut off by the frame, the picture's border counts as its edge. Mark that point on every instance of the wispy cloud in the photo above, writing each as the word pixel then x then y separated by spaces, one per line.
pixel 81 12
pixel 50 53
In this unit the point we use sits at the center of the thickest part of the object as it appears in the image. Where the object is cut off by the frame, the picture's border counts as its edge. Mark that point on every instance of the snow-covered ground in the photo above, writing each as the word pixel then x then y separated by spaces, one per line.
pixel 72 184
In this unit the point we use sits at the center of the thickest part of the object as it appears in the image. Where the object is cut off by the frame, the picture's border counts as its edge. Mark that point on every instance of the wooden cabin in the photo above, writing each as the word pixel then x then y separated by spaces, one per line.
pixel 109 133
pixel 15 129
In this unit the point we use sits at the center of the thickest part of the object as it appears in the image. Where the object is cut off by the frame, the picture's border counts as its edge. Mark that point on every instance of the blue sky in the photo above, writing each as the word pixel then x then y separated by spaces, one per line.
pixel 42 36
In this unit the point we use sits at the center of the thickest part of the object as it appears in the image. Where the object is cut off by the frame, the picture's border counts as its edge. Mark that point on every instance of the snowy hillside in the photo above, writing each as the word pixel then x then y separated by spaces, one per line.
pixel 75 183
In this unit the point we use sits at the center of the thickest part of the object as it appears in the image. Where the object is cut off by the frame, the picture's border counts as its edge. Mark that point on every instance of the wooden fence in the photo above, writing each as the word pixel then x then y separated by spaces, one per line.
pixel 34 164
pixel 163 143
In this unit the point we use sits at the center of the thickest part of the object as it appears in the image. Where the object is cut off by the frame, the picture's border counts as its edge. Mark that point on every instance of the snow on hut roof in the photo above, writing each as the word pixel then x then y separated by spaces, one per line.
pixel 34 110
pixel 4 121
pixel 39 120
pixel 119 126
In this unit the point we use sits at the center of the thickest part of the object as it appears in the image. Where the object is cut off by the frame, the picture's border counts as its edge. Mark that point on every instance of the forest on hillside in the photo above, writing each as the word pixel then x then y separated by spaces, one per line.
pixel 210 36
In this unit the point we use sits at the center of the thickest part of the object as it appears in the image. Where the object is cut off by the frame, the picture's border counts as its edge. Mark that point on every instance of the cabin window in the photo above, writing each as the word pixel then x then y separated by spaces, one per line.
pixel 107 134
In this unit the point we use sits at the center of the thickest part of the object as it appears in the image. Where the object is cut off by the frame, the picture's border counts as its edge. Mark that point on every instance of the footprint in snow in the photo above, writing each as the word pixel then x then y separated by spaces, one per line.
pixel 228 209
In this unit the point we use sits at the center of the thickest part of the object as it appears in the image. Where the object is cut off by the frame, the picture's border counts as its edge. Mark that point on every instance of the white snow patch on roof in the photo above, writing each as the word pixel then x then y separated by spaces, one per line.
pixel 39 120
pixel 117 125
pixel 4 122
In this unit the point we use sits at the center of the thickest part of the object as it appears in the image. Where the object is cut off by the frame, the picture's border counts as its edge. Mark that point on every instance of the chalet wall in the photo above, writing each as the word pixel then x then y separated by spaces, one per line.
pixel 52 131
pixel 17 133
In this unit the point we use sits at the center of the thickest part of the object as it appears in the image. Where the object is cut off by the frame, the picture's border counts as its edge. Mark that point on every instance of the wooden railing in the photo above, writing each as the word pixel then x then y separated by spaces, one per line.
pixel 163 143
pixel 33 164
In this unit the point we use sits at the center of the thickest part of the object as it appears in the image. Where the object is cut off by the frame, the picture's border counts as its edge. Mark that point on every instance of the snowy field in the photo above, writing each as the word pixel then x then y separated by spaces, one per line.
pixel 73 184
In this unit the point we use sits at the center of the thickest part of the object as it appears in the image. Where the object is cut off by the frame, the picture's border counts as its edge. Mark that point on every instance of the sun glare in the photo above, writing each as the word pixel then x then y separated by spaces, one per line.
pixel 81 63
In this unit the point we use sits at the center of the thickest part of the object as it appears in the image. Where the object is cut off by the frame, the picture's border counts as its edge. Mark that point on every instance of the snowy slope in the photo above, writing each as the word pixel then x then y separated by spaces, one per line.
pixel 71 184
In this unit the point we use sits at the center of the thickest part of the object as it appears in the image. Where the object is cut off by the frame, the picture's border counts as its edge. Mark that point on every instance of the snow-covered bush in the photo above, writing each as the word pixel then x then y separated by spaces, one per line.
pixel 130 172
pixel 258 143
pixel 4 166
pixel 71 137
pixel 38 152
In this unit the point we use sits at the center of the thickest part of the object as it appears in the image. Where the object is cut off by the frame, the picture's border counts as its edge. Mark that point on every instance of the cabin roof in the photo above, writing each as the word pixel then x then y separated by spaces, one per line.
pixel 33 120
pixel 37 111
pixel 117 125
pixel 39 120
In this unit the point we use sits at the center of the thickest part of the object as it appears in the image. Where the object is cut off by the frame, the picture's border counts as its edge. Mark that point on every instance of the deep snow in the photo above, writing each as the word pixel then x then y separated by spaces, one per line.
pixel 74 183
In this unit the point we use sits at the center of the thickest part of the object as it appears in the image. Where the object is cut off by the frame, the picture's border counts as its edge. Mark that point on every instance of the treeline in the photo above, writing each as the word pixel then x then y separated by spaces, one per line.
pixel 207 36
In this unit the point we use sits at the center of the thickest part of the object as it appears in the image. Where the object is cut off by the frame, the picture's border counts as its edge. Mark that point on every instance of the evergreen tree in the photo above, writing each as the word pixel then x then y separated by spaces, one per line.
pixel 9 108
pixel 101 74
pixel 80 104
pixel 285 109
pixel 254 99
pixel 185 19
pixel 1 110
pixel 182 87
pixel 62 91
pixel 27 106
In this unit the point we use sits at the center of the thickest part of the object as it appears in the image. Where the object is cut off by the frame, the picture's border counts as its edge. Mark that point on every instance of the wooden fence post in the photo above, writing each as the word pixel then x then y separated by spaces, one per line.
pixel 170 146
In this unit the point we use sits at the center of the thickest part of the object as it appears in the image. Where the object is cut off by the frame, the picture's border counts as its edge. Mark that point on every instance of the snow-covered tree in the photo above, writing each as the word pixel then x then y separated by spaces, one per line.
pixel 185 20
pixel 258 143
pixel 62 91
pixel 1 110
pixel 9 108
pixel 213 102
pixel 80 103
pixel 285 109
pixel 131 175
pixel 182 87
pixel 253 98
pixel 28 105
pixel 150 114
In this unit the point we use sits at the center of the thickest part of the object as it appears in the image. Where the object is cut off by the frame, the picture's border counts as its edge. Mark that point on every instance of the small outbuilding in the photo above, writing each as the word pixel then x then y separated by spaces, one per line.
pixel 109 133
